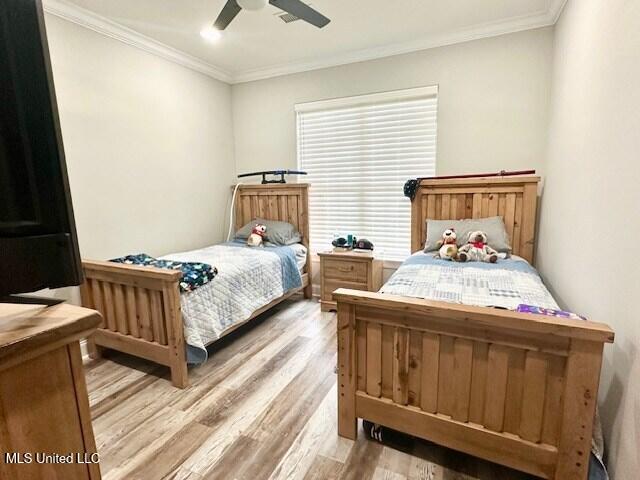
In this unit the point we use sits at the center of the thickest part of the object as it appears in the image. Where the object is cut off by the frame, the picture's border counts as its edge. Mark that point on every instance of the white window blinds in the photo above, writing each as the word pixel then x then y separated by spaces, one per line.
pixel 358 153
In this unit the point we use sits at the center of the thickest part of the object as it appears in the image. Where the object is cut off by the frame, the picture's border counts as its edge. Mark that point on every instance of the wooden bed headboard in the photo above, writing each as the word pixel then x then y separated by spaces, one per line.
pixel 513 198
pixel 287 202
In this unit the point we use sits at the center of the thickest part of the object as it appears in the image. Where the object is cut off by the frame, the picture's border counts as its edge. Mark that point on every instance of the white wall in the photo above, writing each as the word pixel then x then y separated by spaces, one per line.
pixel 589 219
pixel 493 102
pixel 149 145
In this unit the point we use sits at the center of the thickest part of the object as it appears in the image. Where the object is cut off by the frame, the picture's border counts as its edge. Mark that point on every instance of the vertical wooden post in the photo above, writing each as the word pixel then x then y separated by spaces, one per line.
pixel 175 335
pixel 304 228
pixel 580 398
pixel 528 235
pixel 347 371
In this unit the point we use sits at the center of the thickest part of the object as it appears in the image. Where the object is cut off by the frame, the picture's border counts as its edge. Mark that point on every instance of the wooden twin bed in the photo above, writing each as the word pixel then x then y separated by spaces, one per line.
pixel 513 388
pixel 141 305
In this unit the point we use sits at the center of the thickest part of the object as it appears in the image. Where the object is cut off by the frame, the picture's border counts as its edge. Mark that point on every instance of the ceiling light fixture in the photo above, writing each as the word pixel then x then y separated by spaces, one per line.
pixel 211 34
pixel 252 4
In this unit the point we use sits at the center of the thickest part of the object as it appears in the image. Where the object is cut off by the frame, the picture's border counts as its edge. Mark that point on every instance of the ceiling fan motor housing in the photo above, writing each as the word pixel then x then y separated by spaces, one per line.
pixel 252 4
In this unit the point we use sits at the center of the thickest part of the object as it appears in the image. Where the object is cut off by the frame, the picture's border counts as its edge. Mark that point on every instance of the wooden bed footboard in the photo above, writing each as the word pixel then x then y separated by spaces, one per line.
pixel 516 389
pixel 140 307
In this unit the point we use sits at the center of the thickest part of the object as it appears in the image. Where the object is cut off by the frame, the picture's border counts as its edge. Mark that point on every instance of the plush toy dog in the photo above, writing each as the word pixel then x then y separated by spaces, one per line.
pixel 257 236
pixel 477 250
pixel 448 245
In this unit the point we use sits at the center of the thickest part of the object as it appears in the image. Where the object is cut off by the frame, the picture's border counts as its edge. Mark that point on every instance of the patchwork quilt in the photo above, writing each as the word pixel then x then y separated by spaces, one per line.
pixel 248 279
pixel 505 284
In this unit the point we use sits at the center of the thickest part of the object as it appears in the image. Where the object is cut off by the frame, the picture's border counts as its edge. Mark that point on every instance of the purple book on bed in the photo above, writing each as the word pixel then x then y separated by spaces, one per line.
pixel 550 312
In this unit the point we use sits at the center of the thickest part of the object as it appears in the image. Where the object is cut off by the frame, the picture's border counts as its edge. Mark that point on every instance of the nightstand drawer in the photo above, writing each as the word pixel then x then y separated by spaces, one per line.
pixel 331 285
pixel 345 270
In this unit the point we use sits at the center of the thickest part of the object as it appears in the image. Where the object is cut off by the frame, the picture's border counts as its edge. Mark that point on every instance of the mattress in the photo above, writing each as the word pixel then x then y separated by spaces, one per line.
pixel 505 284
pixel 248 279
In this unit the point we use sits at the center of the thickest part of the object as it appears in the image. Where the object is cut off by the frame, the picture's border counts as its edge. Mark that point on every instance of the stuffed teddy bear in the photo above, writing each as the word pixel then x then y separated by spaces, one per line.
pixel 448 247
pixel 257 236
pixel 477 250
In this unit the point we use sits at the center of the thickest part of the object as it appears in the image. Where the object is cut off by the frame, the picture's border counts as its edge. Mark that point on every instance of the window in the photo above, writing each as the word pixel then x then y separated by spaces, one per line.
pixel 358 152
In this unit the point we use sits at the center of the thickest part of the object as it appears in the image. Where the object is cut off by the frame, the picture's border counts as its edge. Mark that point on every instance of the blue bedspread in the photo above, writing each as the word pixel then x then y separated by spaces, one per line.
pixel 291 277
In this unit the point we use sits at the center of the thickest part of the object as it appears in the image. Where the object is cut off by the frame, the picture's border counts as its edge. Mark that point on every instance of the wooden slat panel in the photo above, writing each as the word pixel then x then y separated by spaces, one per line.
pixel 361 356
pixel 493 205
pixel 445 376
pixel 98 299
pixel 157 318
pixel 478 382
pixel 430 369
pixel 517 225
pixel 292 204
pixel 509 216
pixel 263 206
pixel 502 204
pixel 85 295
pixel 463 358
pixel 438 212
pixel 283 207
pixel 535 378
pixel 431 207
pixel 453 209
pixel 415 367
pixel 109 307
pixel 498 365
pixel 461 212
pixel 144 311
pixel 468 206
pixel 485 205
pixel 387 361
pixel 515 381
pixel 445 207
pixel 374 359
pixel 477 206
pixel 120 310
pixel 273 208
pixel 132 311
pixel 255 210
pixel 245 209
pixel 553 400
pixel 401 366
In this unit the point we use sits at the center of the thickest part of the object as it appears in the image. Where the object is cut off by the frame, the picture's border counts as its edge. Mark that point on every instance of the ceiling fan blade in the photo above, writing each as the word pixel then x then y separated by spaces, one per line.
pixel 302 11
pixel 228 13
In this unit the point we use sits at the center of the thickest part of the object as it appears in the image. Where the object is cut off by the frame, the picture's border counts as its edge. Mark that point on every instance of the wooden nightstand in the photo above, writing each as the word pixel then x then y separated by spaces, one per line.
pixel 360 271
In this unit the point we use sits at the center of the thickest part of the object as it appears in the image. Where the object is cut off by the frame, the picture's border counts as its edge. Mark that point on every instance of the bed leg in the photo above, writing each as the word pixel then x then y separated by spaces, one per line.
pixel 581 394
pixel 308 291
pixel 179 375
pixel 94 351
pixel 347 421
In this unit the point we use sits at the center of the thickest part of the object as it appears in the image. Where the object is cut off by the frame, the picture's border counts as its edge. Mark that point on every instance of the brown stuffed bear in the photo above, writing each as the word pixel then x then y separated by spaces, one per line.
pixel 477 250
pixel 447 247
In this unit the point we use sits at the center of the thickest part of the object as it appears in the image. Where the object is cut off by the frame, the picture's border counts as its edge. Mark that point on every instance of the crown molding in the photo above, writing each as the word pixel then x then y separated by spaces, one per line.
pixel 512 25
pixel 109 28
pixel 97 23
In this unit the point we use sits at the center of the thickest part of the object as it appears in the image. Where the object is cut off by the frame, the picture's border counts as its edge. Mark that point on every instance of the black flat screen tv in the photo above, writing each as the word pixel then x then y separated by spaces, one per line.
pixel 38 243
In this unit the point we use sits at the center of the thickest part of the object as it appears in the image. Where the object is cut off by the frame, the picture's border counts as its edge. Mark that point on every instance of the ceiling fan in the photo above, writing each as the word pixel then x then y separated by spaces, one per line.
pixel 294 7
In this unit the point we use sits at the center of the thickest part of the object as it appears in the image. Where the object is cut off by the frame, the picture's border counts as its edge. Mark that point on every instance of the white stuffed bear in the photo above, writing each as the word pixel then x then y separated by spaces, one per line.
pixel 477 250
pixel 257 236
pixel 448 245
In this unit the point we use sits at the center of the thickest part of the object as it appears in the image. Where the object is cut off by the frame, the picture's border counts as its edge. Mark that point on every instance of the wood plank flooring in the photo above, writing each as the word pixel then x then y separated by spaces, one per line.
pixel 262 407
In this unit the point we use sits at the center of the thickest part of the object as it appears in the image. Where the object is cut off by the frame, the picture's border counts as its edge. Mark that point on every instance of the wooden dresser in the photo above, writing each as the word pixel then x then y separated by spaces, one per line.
pixel 45 423
pixel 360 271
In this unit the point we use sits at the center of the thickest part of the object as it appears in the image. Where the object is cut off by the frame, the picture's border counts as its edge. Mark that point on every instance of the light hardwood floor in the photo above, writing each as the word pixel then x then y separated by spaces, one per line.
pixel 263 406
